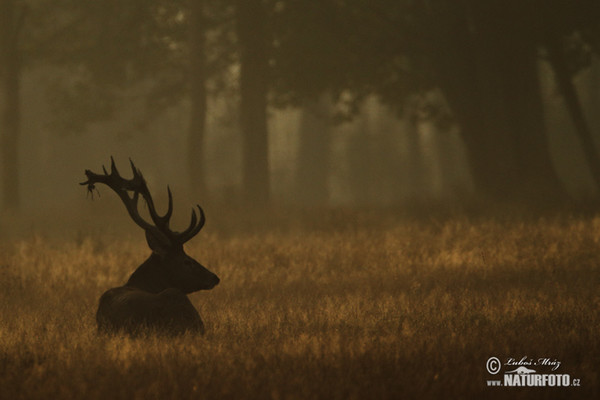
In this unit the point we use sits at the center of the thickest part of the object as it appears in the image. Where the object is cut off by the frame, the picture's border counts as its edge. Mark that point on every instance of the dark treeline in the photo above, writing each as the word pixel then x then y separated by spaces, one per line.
pixel 406 90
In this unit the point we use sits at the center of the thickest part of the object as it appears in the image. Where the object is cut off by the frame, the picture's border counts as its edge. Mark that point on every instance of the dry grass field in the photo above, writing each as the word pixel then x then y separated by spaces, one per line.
pixel 363 311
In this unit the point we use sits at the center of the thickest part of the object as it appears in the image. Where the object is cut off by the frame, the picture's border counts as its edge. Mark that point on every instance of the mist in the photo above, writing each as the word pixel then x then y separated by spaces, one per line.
pixel 287 115
pixel 401 199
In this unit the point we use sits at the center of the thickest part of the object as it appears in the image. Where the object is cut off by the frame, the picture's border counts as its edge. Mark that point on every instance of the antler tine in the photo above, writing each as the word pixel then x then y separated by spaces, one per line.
pixel 137 174
pixel 161 222
pixel 113 167
pixel 142 188
pixel 193 229
pixel 170 206
pixel 131 204
pixel 138 183
pixel 133 168
pixel 202 218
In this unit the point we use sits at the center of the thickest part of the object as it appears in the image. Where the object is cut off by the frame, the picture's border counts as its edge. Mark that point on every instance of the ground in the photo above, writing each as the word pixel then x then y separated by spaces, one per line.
pixel 382 310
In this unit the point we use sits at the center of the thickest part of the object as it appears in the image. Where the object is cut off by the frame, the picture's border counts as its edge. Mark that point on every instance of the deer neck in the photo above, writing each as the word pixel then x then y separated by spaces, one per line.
pixel 149 276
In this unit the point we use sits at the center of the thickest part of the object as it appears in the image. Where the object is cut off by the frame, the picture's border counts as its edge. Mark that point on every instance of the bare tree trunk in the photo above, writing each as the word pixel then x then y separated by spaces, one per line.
pixel 569 93
pixel 312 174
pixel 198 97
pixel 496 98
pixel 252 39
pixel 416 183
pixel 10 23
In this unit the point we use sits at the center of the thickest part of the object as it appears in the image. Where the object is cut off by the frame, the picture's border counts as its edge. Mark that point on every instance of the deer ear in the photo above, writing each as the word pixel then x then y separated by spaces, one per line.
pixel 158 242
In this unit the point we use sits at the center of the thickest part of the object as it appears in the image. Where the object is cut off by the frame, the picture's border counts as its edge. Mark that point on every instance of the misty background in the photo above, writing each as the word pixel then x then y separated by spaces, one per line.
pixel 318 104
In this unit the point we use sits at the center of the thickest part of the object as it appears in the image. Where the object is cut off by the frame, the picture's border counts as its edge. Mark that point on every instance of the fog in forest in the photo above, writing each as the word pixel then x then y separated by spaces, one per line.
pixel 292 105
pixel 402 199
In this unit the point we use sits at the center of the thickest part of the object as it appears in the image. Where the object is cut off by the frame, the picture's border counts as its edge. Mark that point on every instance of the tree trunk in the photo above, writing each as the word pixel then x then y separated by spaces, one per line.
pixel 489 75
pixel 569 93
pixel 416 183
pixel 252 39
pixel 198 98
pixel 312 174
pixel 9 102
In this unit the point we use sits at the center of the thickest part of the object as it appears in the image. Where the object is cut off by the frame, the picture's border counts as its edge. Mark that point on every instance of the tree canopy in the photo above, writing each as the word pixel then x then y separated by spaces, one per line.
pixel 481 55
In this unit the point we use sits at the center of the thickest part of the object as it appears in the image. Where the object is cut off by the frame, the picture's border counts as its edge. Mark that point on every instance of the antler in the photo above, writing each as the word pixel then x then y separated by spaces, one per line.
pixel 138 186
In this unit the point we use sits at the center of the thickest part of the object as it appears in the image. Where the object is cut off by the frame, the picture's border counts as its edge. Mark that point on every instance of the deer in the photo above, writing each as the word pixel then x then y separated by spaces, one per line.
pixel 154 298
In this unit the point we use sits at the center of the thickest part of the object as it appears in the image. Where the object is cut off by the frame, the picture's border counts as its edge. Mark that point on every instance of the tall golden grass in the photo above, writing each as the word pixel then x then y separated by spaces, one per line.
pixel 404 310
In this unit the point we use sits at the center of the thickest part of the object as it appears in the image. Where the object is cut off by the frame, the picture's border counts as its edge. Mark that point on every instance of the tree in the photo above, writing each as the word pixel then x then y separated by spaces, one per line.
pixel 490 77
pixel 198 94
pixel 312 173
pixel 482 54
pixel 253 43
pixel 565 84
pixel 157 50
pixel 11 19
pixel 108 49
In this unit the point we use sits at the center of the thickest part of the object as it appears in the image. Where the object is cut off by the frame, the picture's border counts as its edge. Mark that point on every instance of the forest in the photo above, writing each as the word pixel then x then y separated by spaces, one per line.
pixel 400 197
pixel 304 103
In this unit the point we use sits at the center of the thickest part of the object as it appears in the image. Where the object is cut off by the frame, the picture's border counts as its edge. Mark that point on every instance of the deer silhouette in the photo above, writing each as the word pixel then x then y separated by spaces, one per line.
pixel 155 296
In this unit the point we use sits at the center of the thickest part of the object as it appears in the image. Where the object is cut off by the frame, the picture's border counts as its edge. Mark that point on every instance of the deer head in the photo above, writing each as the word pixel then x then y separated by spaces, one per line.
pixel 168 266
